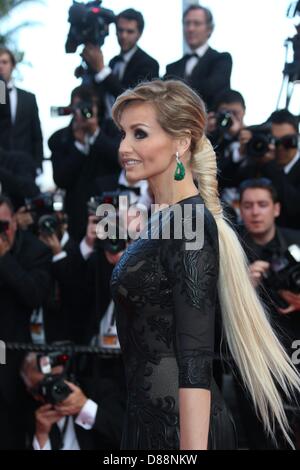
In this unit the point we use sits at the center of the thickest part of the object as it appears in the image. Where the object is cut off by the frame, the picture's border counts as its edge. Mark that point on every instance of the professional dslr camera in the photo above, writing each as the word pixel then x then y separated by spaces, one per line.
pixel 114 244
pixel 262 137
pixel 44 209
pixel 284 272
pixel 224 121
pixel 85 108
pixel 53 387
pixel 89 24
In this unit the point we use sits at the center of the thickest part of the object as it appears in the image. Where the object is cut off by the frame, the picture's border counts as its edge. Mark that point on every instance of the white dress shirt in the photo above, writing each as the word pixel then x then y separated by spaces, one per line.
pixel 192 62
pixel 290 165
pixel 119 71
pixel 144 198
pixel 89 140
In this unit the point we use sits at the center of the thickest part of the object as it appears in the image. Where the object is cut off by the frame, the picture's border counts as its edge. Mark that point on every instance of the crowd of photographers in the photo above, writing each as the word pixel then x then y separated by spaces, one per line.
pixel 54 271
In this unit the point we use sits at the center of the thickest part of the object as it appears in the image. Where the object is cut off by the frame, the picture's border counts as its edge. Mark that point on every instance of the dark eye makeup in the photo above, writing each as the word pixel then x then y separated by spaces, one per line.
pixel 140 134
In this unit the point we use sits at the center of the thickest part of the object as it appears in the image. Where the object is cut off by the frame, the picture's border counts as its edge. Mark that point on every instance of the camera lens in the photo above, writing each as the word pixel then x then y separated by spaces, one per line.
pixel 224 120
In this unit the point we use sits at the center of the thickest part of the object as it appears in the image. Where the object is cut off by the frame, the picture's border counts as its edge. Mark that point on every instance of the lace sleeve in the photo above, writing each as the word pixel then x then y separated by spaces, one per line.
pixel 193 277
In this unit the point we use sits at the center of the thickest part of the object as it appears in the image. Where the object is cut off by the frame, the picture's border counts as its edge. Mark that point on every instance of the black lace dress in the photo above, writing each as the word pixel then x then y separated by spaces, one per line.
pixel 165 297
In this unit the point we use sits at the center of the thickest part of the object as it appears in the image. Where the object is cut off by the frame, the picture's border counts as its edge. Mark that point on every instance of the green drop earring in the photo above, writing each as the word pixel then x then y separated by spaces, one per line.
pixel 180 170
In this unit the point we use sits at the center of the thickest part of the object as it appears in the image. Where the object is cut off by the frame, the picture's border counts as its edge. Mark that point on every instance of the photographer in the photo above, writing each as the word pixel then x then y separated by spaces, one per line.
pixel 80 153
pixel 272 151
pixel 130 67
pixel 24 284
pixel 264 243
pixel 224 126
pixel 72 418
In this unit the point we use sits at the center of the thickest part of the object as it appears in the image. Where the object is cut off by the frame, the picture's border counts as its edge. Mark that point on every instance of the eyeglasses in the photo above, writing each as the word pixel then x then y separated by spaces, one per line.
pixel 287 141
pixel 256 183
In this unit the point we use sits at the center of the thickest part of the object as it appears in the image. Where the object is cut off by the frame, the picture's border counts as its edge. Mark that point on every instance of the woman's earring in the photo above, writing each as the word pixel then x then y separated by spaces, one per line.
pixel 180 170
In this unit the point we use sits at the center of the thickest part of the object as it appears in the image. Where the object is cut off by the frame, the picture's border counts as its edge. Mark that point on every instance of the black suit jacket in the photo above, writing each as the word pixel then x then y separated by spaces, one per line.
pixel 17 176
pixel 26 134
pixel 209 77
pixel 286 185
pixel 141 67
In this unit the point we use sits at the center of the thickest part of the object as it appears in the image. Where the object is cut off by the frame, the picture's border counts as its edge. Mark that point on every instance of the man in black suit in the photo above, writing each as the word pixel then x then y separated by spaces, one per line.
pixel 25 131
pixel 82 152
pixel 264 242
pixel 203 68
pixel 130 67
pixel 24 282
pixel 89 418
pixel 280 164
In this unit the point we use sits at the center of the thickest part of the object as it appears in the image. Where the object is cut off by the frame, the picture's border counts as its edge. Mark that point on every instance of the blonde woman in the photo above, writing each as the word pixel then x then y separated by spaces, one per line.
pixel 166 292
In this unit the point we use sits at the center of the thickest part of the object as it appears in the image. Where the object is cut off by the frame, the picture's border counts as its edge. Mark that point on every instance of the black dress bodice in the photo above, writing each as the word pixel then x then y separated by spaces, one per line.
pixel 165 293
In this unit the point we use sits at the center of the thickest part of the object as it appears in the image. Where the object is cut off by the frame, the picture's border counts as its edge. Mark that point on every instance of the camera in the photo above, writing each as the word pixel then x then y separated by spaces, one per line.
pixel 113 244
pixel 44 209
pixel 4 226
pixel 224 121
pixel 284 272
pixel 52 359
pixel 85 108
pixel 53 389
pixel 262 137
pixel 89 24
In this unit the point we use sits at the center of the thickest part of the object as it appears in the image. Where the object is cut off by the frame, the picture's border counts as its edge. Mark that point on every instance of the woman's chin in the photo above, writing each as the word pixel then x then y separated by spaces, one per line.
pixel 133 177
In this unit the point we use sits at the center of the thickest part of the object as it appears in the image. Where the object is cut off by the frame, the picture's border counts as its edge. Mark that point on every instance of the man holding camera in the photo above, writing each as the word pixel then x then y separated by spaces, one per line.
pixel 81 153
pixel 66 419
pixel 272 151
pixel 276 275
pixel 225 123
pixel 203 68
pixel 265 243
pixel 24 283
pixel 130 67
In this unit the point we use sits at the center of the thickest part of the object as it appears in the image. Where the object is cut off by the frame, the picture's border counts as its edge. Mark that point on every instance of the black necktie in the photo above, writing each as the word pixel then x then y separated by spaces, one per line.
pixel 137 191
